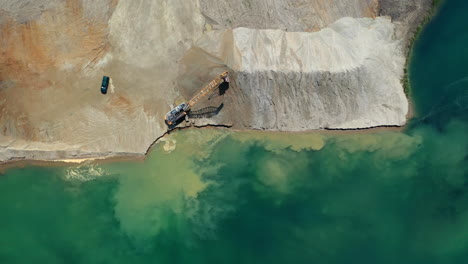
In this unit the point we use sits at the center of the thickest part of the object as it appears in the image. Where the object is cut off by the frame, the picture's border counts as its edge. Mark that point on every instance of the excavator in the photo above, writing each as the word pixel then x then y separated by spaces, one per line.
pixel 181 110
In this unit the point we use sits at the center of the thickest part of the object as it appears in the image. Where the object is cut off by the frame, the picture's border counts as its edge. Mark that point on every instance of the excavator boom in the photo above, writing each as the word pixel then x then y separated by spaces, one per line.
pixel 207 89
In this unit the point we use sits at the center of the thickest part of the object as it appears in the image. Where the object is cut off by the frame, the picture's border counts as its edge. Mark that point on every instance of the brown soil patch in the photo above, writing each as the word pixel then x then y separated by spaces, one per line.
pixel 36 55
pixel 53 40
pixel 373 9
pixel 120 102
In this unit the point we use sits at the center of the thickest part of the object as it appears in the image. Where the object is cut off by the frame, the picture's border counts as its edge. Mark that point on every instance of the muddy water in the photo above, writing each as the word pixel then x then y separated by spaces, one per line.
pixel 214 196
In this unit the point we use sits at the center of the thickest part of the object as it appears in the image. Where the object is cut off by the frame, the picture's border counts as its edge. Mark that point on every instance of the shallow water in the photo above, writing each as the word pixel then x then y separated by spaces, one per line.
pixel 214 196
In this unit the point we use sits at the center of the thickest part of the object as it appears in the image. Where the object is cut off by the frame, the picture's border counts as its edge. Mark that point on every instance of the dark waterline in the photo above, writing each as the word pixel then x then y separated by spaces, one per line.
pixel 385 197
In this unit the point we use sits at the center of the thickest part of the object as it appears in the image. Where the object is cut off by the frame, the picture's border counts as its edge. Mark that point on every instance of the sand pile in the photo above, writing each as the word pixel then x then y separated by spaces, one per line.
pixel 344 76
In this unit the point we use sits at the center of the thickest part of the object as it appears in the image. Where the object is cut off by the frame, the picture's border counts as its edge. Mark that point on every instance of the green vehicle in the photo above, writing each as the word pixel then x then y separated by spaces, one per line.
pixel 104 84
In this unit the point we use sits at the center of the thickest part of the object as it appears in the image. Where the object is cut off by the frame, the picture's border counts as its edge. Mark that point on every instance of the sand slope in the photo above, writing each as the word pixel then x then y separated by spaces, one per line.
pixel 294 66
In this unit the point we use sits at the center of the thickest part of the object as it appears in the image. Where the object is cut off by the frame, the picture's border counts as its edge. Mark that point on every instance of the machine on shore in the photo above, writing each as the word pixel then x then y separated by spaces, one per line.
pixel 181 110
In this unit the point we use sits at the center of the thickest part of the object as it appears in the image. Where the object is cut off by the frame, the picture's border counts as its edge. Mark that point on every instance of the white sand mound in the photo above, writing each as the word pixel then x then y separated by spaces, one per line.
pixel 344 76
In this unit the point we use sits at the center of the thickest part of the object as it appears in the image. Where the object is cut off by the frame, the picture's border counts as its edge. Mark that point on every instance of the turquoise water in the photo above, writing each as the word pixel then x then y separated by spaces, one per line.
pixel 439 69
pixel 213 196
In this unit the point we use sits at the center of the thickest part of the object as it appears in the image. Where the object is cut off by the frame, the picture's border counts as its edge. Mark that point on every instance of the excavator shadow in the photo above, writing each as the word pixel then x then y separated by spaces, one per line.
pixel 221 90
pixel 206 112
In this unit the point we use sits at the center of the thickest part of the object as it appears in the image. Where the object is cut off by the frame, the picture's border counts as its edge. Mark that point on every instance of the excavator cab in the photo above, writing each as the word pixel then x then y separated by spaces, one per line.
pixel 175 114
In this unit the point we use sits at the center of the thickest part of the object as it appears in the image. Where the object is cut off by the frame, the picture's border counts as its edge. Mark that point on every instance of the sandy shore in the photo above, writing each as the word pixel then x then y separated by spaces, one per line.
pixel 67 162
pixel 21 163
pixel 148 79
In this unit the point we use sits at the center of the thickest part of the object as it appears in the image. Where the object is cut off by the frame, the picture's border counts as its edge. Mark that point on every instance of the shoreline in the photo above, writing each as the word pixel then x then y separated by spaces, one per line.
pixel 406 72
pixel 104 159
pixel 22 163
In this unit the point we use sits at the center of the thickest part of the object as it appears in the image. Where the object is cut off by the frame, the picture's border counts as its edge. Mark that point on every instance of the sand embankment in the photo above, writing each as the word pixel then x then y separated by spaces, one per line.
pixel 294 66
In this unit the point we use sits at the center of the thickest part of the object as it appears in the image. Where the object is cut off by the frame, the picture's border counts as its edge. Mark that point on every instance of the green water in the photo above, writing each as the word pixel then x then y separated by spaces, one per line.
pixel 223 197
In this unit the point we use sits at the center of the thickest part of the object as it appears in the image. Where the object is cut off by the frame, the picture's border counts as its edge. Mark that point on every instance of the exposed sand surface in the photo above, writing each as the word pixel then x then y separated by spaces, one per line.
pixel 294 66
pixel 299 15
pixel 299 81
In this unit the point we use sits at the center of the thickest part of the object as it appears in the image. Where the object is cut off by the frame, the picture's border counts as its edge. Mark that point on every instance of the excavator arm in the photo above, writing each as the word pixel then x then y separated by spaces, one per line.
pixel 207 89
